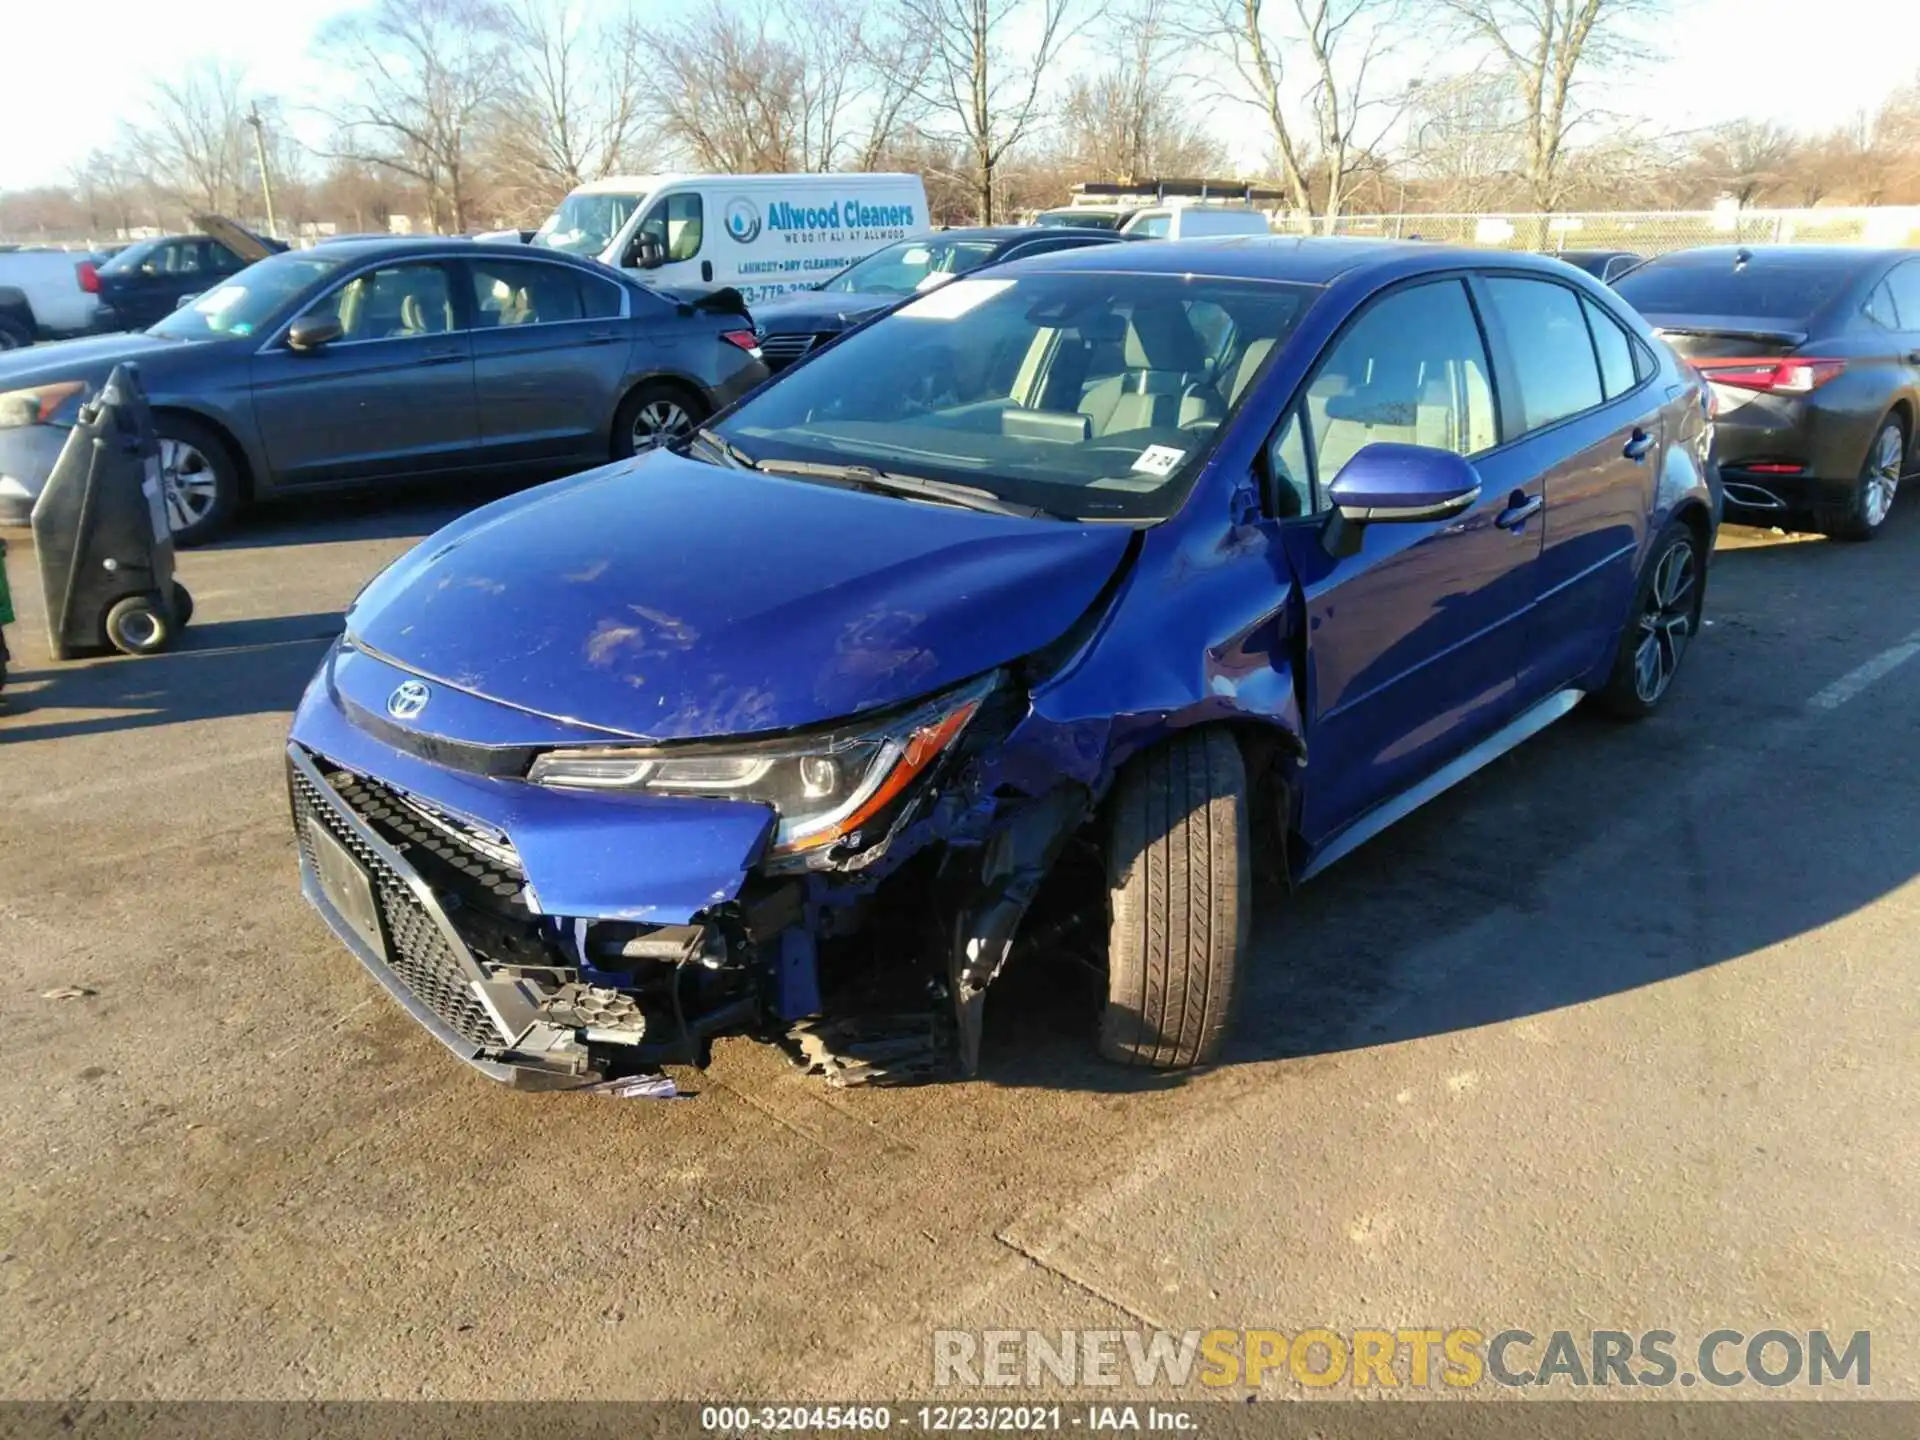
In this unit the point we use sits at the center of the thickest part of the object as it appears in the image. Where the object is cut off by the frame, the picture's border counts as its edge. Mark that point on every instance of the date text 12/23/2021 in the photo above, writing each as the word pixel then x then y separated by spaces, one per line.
pixel 947 1419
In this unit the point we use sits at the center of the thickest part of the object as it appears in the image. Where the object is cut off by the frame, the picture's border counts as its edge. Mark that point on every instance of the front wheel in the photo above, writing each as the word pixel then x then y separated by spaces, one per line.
pixel 1661 625
pixel 199 479
pixel 139 625
pixel 655 414
pixel 1179 878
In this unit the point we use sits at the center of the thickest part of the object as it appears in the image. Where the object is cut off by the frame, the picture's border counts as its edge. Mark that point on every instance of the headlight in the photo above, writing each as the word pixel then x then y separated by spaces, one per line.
pixel 824 788
pixel 37 404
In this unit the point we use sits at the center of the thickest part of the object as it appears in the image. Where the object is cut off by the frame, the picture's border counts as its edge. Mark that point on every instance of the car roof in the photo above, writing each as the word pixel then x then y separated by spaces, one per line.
pixel 1719 257
pixel 373 247
pixel 1302 259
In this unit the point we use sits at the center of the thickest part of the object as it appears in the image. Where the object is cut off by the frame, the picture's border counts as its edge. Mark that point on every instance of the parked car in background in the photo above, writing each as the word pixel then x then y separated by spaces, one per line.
pixel 46 294
pixel 1084 217
pixel 378 361
pixel 146 282
pixel 1813 353
pixel 1193 222
pixel 761 234
pixel 1605 266
pixel 791 325
pixel 1090 580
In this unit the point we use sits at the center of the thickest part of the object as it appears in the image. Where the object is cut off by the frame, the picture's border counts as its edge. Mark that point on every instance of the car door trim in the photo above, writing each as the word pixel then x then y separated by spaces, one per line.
pixel 1515 732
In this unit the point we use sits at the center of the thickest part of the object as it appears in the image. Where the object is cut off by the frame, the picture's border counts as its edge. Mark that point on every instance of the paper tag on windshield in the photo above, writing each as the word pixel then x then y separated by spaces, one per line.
pixel 950 302
pixel 1159 459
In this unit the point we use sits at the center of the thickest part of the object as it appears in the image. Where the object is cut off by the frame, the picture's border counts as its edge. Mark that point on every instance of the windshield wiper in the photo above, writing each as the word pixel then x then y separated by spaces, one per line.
pixel 724 448
pixel 889 482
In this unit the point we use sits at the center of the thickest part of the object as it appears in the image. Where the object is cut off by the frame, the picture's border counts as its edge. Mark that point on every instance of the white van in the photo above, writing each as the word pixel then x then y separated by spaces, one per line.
pixel 1193 222
pixel 764 234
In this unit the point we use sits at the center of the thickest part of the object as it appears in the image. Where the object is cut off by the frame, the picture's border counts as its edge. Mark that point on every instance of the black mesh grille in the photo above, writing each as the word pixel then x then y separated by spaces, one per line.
pixel 417 950
pixel 784 349
pixel 494 867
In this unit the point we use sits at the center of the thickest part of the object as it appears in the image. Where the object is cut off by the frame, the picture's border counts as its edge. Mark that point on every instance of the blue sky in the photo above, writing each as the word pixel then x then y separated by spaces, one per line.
pixel 1807 65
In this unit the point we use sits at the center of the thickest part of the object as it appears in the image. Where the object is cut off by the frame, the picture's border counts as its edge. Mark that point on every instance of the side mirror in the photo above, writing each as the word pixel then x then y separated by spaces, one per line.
pixel 646 253
pixel 1386 484
pixel 313 332
pixel 185 300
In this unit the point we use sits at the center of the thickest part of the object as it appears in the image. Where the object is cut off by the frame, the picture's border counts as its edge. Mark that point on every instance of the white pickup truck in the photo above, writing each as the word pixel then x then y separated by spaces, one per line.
pixel 45 295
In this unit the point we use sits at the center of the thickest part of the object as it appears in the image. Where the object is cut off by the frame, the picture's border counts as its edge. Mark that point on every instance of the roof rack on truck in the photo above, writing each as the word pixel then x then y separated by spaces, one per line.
pixel 1160 191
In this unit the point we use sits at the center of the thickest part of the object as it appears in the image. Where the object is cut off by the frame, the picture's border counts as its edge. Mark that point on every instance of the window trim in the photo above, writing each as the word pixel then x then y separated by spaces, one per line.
pixel 467 265
pixel 1903 324
pixel 1507 364
pixel 1317 514
pixel 447 262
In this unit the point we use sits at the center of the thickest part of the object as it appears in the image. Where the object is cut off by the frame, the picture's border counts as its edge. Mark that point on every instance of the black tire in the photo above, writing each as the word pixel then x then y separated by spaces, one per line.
pixel 14 334
pixel 1664 615
pixel 182 605
pixel 1861 518
pixel 215 468
pixel 138 625
pixel 649 399
pixel 1179 884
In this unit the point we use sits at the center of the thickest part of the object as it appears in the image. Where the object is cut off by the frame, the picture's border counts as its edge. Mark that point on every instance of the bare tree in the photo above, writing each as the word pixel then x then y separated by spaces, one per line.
pixel 1746 158
pixel 988 62
pixel 193 139
pixel 1126 122
pixel 1269 44
pixel 572 109
pixel 1548 47
pixel 727 87
pixel 1462 142
pixel 426 77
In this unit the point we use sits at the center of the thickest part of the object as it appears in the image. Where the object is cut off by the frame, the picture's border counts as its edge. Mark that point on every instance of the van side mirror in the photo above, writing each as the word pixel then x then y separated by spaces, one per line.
pixel 646 253
pixel 313 332
pixel 1387 484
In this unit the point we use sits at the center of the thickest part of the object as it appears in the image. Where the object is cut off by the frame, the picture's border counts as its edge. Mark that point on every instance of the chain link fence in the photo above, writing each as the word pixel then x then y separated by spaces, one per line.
pixel 1643 232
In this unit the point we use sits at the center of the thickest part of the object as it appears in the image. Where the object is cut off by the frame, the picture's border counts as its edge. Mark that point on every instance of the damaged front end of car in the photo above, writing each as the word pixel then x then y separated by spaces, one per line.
pixel 561 914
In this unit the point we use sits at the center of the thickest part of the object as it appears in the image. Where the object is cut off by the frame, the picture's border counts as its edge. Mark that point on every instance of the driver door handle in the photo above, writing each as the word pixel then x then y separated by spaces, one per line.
pixel 442 357
pixel 1638 446
pixel 1520 509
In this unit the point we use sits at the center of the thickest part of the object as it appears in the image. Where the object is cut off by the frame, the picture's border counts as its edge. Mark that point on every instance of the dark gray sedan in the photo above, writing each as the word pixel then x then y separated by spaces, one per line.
pixel 372 361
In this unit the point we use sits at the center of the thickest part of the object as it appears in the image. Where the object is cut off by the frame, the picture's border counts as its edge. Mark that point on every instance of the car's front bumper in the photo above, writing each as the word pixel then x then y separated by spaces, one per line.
pixel 27 456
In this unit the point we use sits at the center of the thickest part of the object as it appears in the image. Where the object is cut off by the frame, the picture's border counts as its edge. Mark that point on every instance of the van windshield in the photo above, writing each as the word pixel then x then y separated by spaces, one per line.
pixel 1090 395
pixel 586 222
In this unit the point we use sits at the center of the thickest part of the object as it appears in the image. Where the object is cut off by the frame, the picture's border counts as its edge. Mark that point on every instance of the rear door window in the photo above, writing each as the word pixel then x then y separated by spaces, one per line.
pixel 1904 284
pixel 1553 355
pixel 1615 349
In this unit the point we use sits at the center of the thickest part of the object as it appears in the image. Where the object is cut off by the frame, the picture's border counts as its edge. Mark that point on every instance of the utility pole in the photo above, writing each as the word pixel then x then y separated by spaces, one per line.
pixel 260 154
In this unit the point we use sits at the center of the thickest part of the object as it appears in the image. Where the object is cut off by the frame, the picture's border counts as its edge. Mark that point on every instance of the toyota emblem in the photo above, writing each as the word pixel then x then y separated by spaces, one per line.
pixel 409 700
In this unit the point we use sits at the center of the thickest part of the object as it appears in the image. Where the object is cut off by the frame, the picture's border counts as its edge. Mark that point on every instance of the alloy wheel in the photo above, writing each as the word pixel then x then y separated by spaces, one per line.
pixel 659 422
pixel 1883 475
pixel 188 482
pixel 1666 623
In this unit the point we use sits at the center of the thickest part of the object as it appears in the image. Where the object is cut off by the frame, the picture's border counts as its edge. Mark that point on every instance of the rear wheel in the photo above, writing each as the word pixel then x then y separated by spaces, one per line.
pixel 199 478
pixel 1179 873
pixel 1664 619
pixel 655 414
pixel 1872 500
pixel 14 334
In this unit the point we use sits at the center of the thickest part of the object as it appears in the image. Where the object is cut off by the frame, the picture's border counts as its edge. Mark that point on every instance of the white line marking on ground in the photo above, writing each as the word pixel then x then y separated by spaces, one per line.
pixel 1861 676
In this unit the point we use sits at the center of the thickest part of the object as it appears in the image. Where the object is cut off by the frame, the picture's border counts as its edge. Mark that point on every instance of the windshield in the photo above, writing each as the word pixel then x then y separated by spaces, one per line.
pixel 585 224
pixel 1765 288
pixel 1082 394
pixel 1080 219
pixel 249 302
pixel 904 268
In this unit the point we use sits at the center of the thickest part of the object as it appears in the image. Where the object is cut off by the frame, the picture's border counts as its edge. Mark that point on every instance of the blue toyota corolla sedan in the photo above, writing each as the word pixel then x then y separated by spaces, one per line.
pixel 1036 614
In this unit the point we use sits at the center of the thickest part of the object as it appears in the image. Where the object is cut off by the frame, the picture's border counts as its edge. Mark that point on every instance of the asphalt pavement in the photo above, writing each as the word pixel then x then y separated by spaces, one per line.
pixel 1619 1034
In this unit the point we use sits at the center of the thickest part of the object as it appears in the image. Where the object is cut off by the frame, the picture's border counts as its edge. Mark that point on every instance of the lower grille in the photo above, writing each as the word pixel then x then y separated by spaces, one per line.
pixel 418 950
pixel 785 349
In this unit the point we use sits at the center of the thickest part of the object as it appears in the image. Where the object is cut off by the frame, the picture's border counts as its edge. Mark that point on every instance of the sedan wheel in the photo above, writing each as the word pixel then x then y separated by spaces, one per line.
pixel 1882 476
pixel 660 422
pixel 1666 623
pixel 190 484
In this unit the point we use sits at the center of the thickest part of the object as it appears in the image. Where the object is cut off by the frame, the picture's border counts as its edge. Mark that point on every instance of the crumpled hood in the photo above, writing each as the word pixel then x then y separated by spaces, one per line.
pixel 667 599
